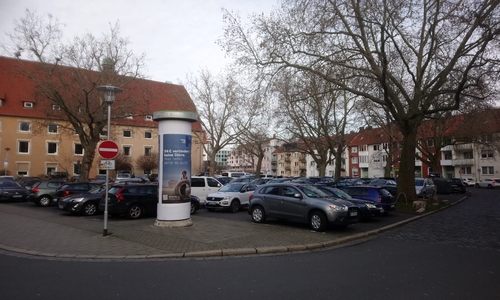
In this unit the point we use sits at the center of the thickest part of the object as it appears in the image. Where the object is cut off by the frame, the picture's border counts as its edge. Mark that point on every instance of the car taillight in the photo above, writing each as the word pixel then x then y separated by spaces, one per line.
pixel 35 190
pixel 494 181
pixel 65 193
pixel 119 195
pixel 379 199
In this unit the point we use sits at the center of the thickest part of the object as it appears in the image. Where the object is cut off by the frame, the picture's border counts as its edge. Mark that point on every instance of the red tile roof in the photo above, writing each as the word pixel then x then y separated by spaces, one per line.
pixel 15 88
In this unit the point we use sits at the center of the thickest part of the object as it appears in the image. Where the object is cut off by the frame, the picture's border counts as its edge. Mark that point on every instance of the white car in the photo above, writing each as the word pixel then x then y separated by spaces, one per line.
pixel 488 183
pixel 469 181
pixel 232 196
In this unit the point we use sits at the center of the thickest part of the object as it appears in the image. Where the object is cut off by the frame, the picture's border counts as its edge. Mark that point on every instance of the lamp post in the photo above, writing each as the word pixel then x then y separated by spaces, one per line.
pixel 6 161
pixel 109 97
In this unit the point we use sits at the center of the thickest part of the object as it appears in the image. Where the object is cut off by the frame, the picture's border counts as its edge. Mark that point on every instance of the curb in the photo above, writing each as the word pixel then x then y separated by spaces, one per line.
pixel 236 251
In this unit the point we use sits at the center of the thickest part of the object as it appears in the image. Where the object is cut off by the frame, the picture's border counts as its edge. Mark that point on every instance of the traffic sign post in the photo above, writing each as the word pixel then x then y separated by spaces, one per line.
pixel 108 149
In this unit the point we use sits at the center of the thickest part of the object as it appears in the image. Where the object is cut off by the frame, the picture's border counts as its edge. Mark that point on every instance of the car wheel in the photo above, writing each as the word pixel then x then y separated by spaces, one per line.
pixel 424 195
pixel 193 208
pixel 235 206
pixel 490 186
pixel 477 185
pixel 258 214
pixel 89 209
pixel 317 220
pixel 44 201
pixel 211 209
pixel 134 211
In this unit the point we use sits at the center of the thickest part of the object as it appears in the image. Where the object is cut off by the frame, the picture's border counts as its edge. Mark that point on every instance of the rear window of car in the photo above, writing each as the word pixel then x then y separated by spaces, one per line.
pixel 51 184
pixel 384 192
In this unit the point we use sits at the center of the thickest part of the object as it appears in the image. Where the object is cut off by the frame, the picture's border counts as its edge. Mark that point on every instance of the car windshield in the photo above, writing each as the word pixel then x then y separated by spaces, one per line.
pixel 419 182
pixel 98 189
pixel 341 194
pixel 231 187
pixel 313 192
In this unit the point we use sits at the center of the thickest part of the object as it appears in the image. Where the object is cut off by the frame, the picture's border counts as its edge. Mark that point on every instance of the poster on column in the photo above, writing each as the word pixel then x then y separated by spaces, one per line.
pixel 176 159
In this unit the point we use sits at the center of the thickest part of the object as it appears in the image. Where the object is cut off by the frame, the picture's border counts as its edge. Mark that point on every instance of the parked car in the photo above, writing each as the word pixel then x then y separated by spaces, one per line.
pixel 10 190
pixel 367 208
pixel 260 181
pixel 372 193
pixel 443 185
pixel 488 183
pixel 123 176
pixel 390 185
pixel 28 182
pixel 99 178
pixel 302 203
pixel 43 192
pixel 224 179
pixel 280 180
pixel 201 186
pixel 7 177
pixel 425 187
pixel 137 200
pixel 457 186
pixel 469 181
pixel 232 197
pixel 86 204
pixel 74 188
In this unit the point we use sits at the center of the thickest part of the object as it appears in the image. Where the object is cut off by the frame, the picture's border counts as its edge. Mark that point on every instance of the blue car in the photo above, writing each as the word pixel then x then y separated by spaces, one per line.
pixel 367 208
pixel 372 193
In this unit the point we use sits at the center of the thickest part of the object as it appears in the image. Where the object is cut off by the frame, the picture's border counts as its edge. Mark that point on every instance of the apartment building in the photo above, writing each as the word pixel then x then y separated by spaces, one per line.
pixel 31 144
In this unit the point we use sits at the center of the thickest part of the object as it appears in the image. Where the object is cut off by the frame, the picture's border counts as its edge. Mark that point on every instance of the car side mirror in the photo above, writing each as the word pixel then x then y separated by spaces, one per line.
pixel 297 195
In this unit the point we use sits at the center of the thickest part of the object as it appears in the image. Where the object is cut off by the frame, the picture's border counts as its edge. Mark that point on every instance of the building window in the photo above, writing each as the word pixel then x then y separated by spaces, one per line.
pixel 127 133
pixel 354 171
pixel 149 118
pixel 51 148
pixel 376 147
pixel 467 170
pixel 354 150
pixel 127 150
pixel 23 147
pixel 447 155
pixel 363 148
pixel 430 143
pixel 24 126
pixel 56 107
pixel 363 159
pixel 129 116
pixel 486 154
pixel 148 151
pixel 52 128
pixel 78 149
pixel 488 170
pixel 354 160
pixel 148 135
pixel 468 155
pixel 27 104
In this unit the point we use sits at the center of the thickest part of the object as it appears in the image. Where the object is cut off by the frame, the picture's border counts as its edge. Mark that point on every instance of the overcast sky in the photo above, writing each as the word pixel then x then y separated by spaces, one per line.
pixel 177 36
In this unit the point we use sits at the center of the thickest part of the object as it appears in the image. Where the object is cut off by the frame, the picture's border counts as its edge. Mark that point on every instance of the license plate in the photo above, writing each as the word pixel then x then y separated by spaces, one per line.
pixel 354 213
pixel 17 196
pixel 210 203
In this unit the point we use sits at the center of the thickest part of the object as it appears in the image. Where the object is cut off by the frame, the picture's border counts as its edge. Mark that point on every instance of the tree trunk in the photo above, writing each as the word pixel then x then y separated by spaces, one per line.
pixel 406 176
pixel 87 160
pixel 338 163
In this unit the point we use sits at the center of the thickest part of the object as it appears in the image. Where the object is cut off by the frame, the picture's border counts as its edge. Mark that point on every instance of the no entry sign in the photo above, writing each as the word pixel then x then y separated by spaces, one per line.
pixel 108 149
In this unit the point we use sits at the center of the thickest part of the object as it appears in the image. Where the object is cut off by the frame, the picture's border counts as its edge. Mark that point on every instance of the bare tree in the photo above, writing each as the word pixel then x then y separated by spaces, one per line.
pixel 147 163
pixel 414 58
pixel 219 101
pixel 67 76
pixel 313 111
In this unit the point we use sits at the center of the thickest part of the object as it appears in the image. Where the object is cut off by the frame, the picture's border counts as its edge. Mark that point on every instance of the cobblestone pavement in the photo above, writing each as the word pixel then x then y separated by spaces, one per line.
pixel 46 232
pixel 474 223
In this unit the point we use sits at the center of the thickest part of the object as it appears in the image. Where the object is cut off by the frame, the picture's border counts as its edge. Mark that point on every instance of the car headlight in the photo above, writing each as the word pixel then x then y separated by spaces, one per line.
pixel 370 206
pixel 77 199
pixel 338 207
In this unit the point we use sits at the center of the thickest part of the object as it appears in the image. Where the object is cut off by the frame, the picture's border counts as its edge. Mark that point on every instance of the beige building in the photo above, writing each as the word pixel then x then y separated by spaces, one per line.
pixel 32 144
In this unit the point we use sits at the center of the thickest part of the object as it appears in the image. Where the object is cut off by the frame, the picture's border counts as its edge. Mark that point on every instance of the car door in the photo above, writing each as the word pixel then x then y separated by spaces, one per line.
pixel 271 196
pixel 245 193
pixel 293 205
pixel 150 198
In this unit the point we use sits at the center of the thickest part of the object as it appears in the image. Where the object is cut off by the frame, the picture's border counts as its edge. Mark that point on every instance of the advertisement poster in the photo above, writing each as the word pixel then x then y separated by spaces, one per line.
pixel 176 158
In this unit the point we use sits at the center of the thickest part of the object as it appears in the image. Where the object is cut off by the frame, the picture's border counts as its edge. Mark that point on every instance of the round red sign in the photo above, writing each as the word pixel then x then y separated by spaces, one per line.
pixel 108 149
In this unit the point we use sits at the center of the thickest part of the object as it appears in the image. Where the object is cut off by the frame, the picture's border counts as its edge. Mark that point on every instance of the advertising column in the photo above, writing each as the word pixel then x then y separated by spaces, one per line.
pixel 174 167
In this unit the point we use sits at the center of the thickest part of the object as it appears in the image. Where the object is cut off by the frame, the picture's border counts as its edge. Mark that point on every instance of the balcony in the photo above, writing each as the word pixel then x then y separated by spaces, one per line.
pixel 446 162
pixel 463 147
pixel 364 165
pixel 288 168
pixel 463 162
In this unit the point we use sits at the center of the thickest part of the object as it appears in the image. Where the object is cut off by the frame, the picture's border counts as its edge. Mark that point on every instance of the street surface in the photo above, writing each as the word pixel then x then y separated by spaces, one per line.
pixel 452 254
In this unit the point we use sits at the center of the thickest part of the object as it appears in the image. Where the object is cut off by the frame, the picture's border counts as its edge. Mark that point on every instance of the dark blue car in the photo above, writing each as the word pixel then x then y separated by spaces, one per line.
pixel 367 208
pixel 372 193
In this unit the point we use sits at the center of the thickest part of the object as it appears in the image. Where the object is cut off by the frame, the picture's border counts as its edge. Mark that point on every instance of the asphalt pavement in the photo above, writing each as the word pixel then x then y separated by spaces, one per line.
pixel 50 233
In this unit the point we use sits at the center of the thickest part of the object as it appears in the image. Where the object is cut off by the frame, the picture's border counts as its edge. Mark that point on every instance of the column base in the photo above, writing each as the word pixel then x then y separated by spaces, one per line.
pixel 174 224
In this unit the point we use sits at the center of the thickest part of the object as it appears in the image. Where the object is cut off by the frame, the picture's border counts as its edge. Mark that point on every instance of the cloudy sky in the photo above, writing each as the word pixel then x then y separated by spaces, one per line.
pixel 177 36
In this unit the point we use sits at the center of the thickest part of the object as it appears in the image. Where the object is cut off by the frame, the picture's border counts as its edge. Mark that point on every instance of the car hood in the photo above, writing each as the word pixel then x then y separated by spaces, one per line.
pixel 224 194
pixel 340 201
pixel 86 196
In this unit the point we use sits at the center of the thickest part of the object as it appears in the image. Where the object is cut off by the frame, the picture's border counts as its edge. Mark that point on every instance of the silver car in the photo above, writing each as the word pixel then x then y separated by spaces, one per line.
pixel 232 196
pixel 425 187
pixel 300 202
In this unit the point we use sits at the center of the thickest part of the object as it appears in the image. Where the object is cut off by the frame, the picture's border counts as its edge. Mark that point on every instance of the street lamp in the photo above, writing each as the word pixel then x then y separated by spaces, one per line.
pixel 109 97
